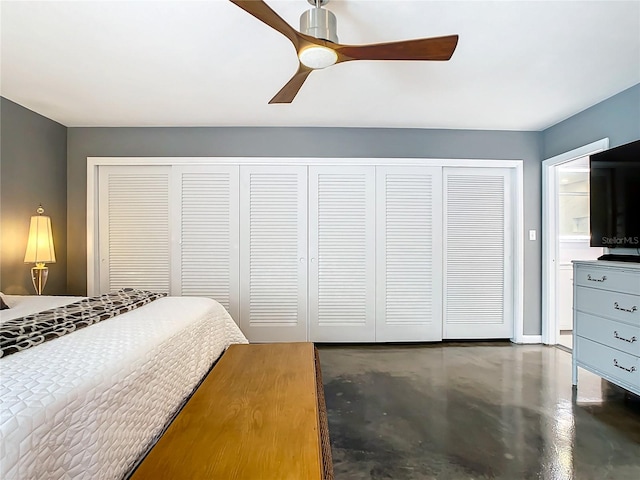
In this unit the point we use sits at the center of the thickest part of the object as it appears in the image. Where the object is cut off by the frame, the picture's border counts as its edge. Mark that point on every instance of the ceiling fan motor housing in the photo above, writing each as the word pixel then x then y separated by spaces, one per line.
pixel 319 23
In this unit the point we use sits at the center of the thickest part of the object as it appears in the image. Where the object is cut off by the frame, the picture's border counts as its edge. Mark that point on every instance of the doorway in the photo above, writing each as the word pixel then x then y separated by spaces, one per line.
pixel 566 237
pixel 572 203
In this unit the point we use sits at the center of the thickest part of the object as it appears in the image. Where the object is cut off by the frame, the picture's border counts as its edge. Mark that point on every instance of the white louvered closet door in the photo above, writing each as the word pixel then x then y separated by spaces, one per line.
pixel 206 214
pixel 409 253
pixel 273 253
pixel 342 254
pixel 478 260
pixel 134 221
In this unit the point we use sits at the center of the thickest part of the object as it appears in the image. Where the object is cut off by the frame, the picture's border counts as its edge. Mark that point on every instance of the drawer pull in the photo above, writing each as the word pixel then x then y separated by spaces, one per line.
pixel 630 310
pixel 630 340
pixel 591 279
pixel 631 370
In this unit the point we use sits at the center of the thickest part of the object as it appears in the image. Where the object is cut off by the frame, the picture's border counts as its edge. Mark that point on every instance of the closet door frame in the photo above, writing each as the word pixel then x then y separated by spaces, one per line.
pixel 93 164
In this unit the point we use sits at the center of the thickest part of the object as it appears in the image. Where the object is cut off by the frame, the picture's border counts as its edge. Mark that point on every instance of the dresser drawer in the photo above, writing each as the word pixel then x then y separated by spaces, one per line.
pixel 607 279
pixel 609 361
pixel 617 306
pixel 613 334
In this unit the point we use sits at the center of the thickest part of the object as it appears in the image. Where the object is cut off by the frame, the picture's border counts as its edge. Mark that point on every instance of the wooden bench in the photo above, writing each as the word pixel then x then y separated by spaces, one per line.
pixel 259 414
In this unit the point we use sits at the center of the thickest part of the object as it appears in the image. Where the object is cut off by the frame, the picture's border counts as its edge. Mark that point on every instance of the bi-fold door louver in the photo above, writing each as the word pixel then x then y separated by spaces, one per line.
pixel 342 253
pixel 408 244
pixel 477 247
pixel 208 238
pixel 134 224
pixel 273 260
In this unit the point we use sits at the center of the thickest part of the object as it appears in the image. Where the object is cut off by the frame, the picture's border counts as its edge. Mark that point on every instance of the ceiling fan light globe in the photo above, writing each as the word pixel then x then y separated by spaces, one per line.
pixel 318 57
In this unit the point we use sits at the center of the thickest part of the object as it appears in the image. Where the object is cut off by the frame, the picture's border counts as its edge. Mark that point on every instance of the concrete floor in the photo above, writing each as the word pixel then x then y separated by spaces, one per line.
pixel 470 411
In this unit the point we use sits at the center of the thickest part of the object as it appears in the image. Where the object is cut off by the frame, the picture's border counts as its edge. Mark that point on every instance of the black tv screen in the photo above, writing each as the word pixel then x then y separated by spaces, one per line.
pixel 615 197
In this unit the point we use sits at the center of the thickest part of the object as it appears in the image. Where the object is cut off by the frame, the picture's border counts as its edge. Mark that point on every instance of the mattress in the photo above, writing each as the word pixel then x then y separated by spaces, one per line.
pixel 87 405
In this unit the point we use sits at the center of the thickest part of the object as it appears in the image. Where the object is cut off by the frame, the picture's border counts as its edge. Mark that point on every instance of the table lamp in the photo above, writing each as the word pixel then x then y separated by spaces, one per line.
pixel 40 249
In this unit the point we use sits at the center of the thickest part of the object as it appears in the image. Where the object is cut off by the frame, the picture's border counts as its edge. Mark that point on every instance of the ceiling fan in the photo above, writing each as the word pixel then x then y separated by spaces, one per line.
pixel 317 44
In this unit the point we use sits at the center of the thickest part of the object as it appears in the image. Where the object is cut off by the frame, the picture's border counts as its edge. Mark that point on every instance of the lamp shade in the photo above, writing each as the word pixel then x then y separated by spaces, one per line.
pixel 40 243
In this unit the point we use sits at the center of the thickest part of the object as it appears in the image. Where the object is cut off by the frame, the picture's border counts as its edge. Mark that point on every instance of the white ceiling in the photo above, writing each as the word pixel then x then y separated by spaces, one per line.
pixel 519 65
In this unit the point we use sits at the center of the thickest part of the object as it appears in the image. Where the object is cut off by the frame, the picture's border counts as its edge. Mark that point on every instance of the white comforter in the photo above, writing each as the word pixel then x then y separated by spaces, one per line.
pixel 86 405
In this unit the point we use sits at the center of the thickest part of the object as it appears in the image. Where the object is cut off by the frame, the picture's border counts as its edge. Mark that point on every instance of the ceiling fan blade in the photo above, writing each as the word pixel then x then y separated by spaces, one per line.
pixel 265 14
pixel 436 48
pixel 290 90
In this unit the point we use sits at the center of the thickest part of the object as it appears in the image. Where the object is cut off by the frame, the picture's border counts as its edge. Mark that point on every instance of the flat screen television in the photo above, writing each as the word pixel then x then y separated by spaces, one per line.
pixel 615 197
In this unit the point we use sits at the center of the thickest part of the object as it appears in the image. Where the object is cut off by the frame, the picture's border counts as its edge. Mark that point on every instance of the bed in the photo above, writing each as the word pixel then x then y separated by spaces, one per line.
pixel 89 404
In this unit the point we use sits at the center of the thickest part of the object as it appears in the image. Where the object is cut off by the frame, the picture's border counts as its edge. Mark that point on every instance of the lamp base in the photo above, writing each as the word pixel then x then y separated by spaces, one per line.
pixel 39 275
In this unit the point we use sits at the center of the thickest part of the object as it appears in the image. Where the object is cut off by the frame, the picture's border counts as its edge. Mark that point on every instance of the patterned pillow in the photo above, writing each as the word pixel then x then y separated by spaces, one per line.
pixel 3 306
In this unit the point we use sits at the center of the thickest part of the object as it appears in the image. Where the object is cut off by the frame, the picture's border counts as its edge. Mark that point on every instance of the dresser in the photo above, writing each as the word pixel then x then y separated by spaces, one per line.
pixel 606 334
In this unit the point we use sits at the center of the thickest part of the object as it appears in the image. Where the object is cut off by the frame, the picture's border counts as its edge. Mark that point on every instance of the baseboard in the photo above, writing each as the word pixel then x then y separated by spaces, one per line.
pixel 529 339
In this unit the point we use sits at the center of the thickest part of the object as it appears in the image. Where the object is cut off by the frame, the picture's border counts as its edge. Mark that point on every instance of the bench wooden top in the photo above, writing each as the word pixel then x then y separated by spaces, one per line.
pixel 255 416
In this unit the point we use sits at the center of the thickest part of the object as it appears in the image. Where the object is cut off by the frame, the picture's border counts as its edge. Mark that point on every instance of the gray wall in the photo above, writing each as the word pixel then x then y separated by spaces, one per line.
pixel 33 170
pixel 305 142
pixel 617 118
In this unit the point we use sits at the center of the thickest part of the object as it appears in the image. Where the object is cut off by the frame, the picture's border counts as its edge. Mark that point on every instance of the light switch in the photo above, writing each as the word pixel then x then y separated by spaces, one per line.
pixel 532 235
